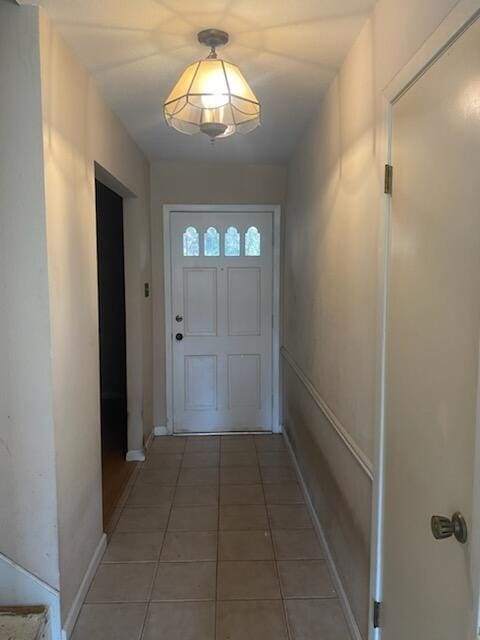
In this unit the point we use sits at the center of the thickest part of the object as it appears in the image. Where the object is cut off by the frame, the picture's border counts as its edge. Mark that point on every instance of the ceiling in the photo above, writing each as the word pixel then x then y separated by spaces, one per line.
pixel 135 50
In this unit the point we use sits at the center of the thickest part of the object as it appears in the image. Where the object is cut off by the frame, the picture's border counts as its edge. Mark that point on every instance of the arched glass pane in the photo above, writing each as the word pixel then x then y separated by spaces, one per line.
pixel 232 242
pixel 191 242
pixel 211 242
pixel 252 242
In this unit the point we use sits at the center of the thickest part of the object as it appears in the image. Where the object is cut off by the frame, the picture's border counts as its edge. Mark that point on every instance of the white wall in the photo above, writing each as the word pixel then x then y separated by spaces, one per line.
pixel 28 508
pixel 79 130
pixel 199 183
pixel 332 282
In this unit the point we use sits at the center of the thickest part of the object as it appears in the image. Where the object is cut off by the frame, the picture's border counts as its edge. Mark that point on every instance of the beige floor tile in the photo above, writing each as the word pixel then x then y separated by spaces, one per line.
pixel 305 579
pixel 241 494
pixel 297 545
pixel 201 459
pixel 143 519
pixel 158 476
pixel 250 621
pixel 110 622
pixel 236 517
pixel 278 475
pixel 185 581
pixel 198 476
pixel 128 582
pixel 238 459
pixel 245 545
pixel 274 459
pixel 138 546
pixel 202 444
pixel 193 519
pixel 189 546
pixel 239 475
pixel 246 580
pixel 198 496
pixel 180 621
pixel 237 443
pixel 270 442
pixel 149 495
pixel 156 460
pixel 289 516
pixel 168 444
pixel 287 493
pixel 315 619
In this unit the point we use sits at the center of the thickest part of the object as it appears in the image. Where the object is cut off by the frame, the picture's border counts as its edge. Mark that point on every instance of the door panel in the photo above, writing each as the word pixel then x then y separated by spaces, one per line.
pixel 244 302
pixel 432 348
pixel 200 302
pixel 200 382
pixel 222 303
pixel 244 381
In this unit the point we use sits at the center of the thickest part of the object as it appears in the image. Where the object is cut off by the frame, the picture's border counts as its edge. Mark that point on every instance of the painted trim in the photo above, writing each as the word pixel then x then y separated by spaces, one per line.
pixel 334 422
pixel 135 455
pixel 276 426
pixel 455 23
pixel 317 525
pixel 30 590
pixel 72 615
pixel 275 210
pixel 160 431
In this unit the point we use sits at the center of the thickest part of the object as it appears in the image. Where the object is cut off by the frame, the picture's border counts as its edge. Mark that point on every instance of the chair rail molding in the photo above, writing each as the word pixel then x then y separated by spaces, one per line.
pixel 363 460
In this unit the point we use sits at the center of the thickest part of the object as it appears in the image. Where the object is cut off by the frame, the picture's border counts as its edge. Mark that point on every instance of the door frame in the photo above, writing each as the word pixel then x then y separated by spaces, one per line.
pixel 275 211
pixel 450 29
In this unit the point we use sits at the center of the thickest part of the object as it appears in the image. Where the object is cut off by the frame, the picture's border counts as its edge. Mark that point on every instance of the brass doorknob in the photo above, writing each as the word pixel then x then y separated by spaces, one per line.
pixel 443 527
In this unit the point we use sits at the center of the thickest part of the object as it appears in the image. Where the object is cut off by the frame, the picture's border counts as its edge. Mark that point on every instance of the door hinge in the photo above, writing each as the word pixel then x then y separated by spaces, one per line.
pixel 388 179
pixel 377 613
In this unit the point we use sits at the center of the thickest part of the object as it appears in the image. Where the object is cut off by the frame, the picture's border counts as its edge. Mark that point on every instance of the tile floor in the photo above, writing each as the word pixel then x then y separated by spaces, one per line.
pixel 213 542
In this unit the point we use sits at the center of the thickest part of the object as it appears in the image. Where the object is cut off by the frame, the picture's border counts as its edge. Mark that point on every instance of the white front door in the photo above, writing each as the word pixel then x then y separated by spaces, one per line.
pixel 433 330
pixel 222 285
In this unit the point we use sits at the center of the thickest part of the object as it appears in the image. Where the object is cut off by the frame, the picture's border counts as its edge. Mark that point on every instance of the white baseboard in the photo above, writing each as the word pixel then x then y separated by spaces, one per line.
pixel 135 455
pixel 160 431
pixel 84 587
pixel 337 581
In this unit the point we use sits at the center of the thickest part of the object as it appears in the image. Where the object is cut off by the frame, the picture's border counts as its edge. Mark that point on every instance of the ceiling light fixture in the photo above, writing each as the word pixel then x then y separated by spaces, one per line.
pixel 212 96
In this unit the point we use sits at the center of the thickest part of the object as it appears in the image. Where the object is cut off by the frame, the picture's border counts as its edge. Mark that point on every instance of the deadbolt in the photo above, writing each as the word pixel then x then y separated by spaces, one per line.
pixel 443 527
pixel 179 336
pixel 178 318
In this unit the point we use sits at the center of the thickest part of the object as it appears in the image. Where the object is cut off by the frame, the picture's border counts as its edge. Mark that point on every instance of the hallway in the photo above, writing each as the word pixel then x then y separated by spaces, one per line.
pixel 213 542
pixel 286 319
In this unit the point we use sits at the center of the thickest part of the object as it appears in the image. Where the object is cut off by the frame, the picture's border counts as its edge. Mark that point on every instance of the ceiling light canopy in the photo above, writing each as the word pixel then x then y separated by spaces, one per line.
pixel 212 96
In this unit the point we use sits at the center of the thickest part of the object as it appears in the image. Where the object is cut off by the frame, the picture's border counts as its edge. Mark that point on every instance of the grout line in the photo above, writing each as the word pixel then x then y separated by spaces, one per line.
pixel 218 552
pixel 155 573
pixel 284 610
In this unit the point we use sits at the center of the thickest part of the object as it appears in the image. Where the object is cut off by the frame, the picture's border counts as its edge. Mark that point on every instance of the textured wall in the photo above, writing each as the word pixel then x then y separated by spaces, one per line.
pixel 28 510
pixel 332 282
pixel 79 130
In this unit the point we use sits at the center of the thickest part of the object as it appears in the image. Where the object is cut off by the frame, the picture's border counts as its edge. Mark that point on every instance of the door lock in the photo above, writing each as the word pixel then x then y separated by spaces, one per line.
pixel 179 318
pixel 179 336
pixel 443 527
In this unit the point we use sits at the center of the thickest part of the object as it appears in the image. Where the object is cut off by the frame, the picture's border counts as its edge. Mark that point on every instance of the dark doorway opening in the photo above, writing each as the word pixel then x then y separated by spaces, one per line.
pixel 112 336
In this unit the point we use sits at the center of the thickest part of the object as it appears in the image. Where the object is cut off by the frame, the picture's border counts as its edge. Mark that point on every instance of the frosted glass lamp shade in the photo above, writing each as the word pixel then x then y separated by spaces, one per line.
pixel 212 97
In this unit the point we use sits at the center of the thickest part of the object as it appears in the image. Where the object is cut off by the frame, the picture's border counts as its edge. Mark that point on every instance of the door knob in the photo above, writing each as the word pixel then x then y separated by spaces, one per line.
pixel 179 336
pixel 443 527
